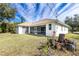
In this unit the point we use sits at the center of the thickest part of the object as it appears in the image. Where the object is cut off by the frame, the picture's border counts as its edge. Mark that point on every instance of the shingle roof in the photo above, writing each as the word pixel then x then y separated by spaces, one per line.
pixel 25 24
pixel 42 22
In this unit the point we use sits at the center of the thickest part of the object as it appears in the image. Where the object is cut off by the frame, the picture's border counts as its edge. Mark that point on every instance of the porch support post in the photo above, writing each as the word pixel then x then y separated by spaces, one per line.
pixel 35 30
pixel 29 30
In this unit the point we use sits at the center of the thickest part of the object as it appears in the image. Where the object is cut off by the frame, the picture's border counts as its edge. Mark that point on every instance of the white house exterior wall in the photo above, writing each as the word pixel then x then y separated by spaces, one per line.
pixel 66 30
pixel 20 30
pixel 57 28
pixel 61 30
pixel 50 32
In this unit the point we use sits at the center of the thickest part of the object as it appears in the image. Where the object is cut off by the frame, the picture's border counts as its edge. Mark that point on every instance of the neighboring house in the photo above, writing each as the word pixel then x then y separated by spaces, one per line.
pixel 44 27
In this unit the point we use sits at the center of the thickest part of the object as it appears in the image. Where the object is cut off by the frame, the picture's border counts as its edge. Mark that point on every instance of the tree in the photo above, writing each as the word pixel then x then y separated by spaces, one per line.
pixel 22 19
pixel 68 21
pixel 73 22
pixel 6 13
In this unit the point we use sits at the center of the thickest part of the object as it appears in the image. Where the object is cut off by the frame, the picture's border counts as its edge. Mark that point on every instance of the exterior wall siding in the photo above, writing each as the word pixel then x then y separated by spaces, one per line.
pixel 57 28
pixel 50 32
pixel 20 30
pixel 61 30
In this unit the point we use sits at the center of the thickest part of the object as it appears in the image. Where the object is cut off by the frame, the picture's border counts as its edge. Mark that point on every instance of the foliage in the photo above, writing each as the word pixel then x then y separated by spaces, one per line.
pixel 6 13
pixel 3 27
pixel 45 50
pixel 12 28
pixel 46 47
pixel 8 27
pixel 73 22
pixel 22 19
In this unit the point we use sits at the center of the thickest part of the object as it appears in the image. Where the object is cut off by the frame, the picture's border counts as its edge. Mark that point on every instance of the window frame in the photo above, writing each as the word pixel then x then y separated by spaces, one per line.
pixel 50 26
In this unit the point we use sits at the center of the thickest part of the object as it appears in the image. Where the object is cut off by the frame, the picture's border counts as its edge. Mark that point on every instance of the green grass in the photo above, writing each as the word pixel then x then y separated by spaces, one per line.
pixel 20 44
pixel 70 35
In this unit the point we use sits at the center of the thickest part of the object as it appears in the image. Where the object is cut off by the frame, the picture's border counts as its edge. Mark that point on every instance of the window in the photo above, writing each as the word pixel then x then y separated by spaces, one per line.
pixel 50 26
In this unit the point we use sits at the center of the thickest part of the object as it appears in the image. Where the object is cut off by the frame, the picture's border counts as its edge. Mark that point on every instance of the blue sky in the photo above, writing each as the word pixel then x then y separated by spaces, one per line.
pixel 36 11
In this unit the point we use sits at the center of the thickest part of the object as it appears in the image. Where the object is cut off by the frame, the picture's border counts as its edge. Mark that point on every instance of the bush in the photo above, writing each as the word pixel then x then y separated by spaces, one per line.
pixel 3 27
pixel 0 29
pixel 8 27
pixel 12 28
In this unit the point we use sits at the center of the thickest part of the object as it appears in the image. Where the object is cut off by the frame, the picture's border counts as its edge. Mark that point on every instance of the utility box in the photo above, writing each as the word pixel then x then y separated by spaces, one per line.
pixel 61 37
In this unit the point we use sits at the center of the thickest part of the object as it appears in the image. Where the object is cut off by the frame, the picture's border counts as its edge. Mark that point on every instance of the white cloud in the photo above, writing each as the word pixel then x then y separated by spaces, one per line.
pixel 70 12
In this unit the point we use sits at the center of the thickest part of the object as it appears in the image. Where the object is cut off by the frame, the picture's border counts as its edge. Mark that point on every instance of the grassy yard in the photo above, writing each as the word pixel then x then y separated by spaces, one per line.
pixel 19 44
pixel 73 36
pixel 23 44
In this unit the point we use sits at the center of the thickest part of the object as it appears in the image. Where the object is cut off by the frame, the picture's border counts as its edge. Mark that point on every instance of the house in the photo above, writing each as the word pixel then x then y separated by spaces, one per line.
pixel 44 27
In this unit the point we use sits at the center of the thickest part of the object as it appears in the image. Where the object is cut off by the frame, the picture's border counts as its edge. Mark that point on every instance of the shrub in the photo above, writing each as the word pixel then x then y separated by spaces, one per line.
pixel 3 27
pixel 12 28
pixel 8 27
